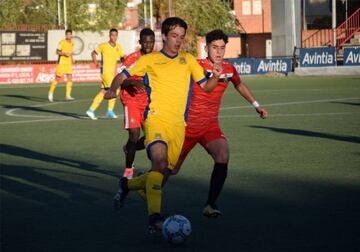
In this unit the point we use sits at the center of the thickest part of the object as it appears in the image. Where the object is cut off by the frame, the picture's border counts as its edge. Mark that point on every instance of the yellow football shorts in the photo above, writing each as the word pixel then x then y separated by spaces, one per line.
pixel 107 79
pixel 62 69
pixel 172 135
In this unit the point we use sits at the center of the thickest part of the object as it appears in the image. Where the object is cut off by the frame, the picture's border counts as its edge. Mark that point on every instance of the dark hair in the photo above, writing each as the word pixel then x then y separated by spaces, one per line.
pixel 216 35
pixel 172 22
pixel 146 32
pixel 68 30
pixel 113 30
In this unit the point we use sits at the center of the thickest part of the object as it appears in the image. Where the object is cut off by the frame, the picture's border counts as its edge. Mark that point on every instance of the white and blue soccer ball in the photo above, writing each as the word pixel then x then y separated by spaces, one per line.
pixel 176 229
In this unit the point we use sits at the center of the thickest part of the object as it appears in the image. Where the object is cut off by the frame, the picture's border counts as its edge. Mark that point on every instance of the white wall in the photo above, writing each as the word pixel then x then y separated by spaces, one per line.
pixel 86 42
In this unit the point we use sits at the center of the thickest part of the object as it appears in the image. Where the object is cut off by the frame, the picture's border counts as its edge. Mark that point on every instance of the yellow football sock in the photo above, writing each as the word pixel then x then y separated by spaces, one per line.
pixel 52 86
pixel 68 88
pixel 138 183
pixel 97 100
pixel 153 192
pixel 111 104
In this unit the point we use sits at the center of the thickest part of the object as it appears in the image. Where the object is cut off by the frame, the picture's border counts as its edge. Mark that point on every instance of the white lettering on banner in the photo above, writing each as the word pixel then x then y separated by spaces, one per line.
pixel 353 58
pixel 243 68
pixel 324 58
pixel 270 66
pixel 15 69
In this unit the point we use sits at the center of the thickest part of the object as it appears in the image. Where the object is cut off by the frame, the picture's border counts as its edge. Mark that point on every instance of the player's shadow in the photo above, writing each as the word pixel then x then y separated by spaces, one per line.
pixel 25 97
pixel 308 133
pixel 31 183
pixel 42 110
pixel 260 213
pixel 27 153
pixel 348 103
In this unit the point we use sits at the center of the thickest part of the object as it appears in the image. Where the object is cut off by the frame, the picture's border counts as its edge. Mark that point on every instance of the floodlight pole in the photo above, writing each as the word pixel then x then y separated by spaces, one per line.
pixel 59 11
pixel 145 14
pixel 65 15
pixel 293 22
pixel 151 16
pixel 334 23
pixel 170 8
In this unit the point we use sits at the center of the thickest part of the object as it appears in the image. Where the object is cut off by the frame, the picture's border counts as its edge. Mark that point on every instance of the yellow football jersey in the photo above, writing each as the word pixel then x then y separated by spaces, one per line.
pixel 66 47
pixel 168 82
pixel 109 57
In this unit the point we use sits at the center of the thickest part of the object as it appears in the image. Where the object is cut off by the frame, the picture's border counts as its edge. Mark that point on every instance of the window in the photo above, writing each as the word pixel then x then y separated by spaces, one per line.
pixel 257 7
pixel 246 8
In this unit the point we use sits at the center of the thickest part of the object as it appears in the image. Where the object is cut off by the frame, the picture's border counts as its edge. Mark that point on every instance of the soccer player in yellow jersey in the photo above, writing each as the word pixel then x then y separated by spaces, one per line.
pixel 168 76
pixel 111 52
pixel 64 66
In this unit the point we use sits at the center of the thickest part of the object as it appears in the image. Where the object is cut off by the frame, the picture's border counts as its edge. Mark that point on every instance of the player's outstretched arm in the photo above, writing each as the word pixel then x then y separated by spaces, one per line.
pixel 211 83
pixel 94 58
pixel 246 93
pixel 116 83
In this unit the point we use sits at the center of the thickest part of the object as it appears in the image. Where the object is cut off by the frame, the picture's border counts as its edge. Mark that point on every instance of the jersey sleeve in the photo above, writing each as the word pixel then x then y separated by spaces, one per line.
pixel 138 69
pixel 197 72
pixel 129 60
pixel 121 52
pixel 60 46
pixel 100 49
pixel 235 79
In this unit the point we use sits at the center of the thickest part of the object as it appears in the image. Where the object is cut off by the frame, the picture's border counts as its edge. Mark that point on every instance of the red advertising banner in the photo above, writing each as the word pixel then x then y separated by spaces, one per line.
pixel 44 73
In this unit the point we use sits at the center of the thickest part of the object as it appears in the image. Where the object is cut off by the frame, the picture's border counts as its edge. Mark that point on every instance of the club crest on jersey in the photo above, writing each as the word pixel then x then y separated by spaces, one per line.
pixel 158 136
pixel 182 60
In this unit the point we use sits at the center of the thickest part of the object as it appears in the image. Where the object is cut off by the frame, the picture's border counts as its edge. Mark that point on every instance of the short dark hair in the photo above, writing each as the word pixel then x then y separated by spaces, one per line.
pixel 172 22
pixel 146 32
pixel 68 30
pixel 216 35
pixel 113 30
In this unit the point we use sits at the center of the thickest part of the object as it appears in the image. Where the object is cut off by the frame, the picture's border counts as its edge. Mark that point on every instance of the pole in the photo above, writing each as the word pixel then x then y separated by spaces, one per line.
pixel 151 16
pixel 293 22
pixel 170 8
pixel 262 15
pixel 145 14
pixel 334 22
pixel 304 16
pixel 65 13
pixel 346 9
pixel 59 12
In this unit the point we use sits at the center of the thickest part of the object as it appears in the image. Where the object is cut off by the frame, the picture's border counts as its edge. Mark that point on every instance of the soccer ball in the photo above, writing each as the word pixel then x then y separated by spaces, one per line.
pixel 176 229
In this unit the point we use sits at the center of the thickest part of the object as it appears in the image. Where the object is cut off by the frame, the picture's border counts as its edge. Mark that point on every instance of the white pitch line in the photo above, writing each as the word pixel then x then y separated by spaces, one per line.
pixel 223 117
pixel 55 118
pixel 58 118
pixel 292 103
pixel 38 120
pixel 11 112
pixel 42 85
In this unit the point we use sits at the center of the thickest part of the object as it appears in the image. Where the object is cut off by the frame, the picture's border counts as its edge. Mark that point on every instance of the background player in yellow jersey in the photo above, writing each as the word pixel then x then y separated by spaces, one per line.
pixel 110 52
pixel 168 76
pixel 64 66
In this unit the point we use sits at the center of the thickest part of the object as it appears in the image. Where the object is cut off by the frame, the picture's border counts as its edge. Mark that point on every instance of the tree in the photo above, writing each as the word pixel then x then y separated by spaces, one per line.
pixel 107 14
pixel 201 15
pixel 204 16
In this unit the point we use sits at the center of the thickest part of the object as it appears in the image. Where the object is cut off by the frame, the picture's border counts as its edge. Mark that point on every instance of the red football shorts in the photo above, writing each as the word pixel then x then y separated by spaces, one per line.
pixel 213 132
pixel 133 115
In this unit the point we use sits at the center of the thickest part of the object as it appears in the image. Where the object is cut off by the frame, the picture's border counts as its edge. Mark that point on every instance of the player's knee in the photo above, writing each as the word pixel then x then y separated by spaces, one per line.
pixel 221 157
pixel 159 163
pixel 134 135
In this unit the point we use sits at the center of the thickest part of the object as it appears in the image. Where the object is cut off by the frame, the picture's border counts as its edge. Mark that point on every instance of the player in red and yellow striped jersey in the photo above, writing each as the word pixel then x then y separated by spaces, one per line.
pixel 203 125
pixel 64 66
